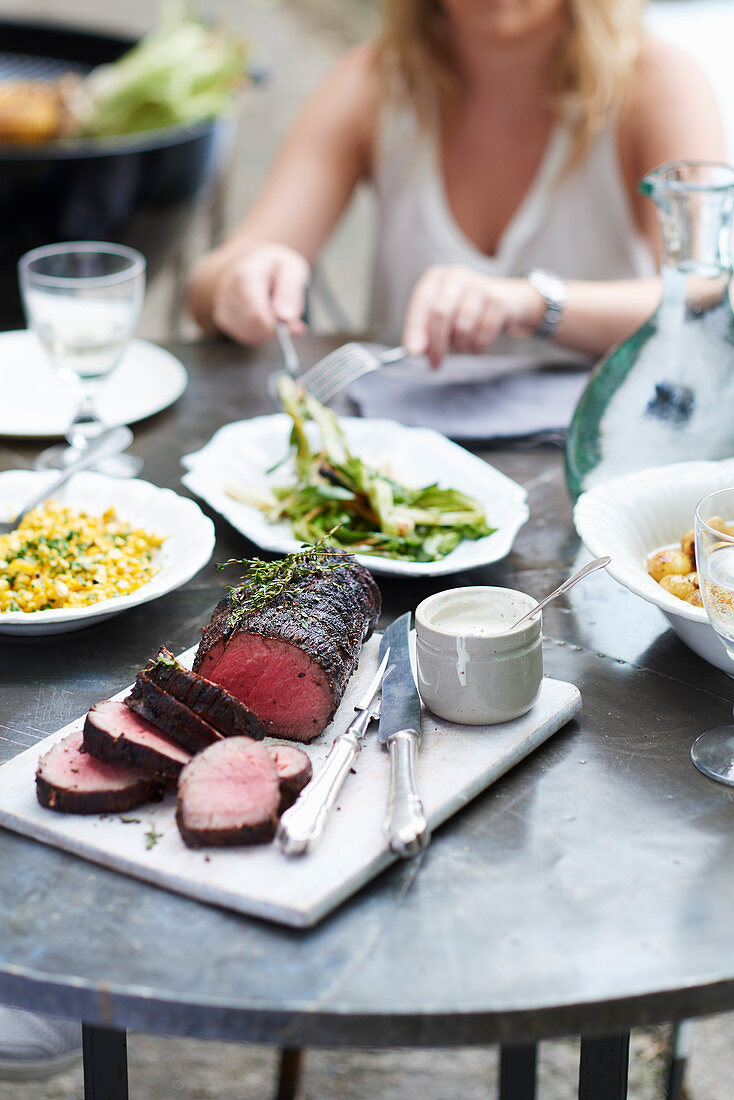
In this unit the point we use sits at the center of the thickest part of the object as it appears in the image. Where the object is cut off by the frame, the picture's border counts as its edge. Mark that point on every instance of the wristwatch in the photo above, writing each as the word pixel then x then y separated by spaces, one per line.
pixel 553 291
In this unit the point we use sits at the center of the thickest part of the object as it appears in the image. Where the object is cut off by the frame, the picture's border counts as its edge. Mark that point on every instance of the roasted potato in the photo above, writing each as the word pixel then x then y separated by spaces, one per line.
pixel 688 545
pixel 668 562
pixel 719 524
pixel 678 585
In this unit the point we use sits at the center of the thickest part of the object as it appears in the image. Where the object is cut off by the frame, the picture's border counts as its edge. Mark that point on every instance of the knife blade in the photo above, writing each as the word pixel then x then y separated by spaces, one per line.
pixel 304 822
pixel 400 722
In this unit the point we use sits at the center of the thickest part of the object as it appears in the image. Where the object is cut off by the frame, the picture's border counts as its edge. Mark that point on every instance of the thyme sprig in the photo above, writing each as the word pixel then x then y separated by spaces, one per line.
pixel 161 660
pixel 266 582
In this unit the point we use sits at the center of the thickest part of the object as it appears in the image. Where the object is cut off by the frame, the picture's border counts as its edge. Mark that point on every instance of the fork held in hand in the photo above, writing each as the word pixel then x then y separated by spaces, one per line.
pixel 325 379
pixel 290 355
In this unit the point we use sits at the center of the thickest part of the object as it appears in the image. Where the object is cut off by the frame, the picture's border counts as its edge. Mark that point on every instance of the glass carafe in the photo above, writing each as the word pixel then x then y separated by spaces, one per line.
pixel 667 393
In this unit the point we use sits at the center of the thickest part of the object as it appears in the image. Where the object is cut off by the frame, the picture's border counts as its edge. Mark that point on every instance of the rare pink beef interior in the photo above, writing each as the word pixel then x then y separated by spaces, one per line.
pixel 65 765
pixel 230 785
pixel 118 721
pixel 278 681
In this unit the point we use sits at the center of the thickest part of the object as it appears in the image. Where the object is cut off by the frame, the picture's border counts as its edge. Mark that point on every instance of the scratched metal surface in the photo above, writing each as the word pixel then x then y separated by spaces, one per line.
pixel 589 890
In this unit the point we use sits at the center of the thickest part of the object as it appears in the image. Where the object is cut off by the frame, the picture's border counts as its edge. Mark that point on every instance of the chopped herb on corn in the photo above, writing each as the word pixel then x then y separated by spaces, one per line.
pixel 59 557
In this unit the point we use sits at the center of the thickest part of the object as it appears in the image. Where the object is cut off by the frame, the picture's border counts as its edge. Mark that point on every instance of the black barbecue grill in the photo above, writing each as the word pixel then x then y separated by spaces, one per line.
pixel 137 189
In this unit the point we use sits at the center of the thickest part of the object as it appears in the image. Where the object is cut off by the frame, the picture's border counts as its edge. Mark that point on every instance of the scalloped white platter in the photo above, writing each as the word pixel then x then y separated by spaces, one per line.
pixel 246 451
pixel 189 540
pixel 146 380
pixel 455 764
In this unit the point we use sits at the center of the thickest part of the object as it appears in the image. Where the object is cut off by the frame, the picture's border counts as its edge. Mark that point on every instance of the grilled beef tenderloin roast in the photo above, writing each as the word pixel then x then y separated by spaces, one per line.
pixel 178 721
pixel 289 659
pixel 294 770
pixel 71 781
pixel 229 795
pixel 209 701
pixel 114 734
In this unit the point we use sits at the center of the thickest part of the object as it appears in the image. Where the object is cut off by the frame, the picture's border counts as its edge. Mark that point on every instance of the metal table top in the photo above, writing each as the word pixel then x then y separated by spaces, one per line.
pixel 588 891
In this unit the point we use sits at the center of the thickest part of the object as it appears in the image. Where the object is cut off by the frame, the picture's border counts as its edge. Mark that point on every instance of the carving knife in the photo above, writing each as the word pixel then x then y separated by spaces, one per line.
pixel 304 822
pixel 400 722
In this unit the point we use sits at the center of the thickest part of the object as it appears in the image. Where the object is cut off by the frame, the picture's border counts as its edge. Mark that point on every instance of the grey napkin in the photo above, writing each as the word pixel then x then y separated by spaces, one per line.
pixel 475 398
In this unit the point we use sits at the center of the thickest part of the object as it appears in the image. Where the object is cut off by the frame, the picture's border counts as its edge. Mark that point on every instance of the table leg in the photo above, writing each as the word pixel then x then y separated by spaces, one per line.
pixel 289 1073
pixel 105 1063
pixel 517 1072
pixel 681 1049
pixel 604 1068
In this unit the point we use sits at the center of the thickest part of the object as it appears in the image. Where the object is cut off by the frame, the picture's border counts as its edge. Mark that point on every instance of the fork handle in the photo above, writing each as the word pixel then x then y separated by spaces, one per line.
pixel 290 355
pixel 392 355
pixel 304 822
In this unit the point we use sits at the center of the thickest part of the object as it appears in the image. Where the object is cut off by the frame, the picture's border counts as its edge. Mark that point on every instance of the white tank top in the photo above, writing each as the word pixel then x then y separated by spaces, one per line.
pixel 578 225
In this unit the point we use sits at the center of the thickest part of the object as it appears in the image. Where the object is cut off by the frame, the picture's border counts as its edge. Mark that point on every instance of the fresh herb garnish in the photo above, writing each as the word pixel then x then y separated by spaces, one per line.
pixel 265 582
pixel 161 659
pixel 130 820
pixel 152 838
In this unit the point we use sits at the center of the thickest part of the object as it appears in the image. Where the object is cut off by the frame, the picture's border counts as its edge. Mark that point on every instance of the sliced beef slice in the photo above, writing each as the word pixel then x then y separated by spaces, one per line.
pixel 229 795
pixel 175 719
pixel 71 781
pixel 290 660
pixel 210 701
pixel 294 771
pixel 116 735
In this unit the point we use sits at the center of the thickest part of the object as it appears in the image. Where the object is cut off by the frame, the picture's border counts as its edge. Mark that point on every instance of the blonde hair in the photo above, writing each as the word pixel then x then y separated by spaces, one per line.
pixel 588 78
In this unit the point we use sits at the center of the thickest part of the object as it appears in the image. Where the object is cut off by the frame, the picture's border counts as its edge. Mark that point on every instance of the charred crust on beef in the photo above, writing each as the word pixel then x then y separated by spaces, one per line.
pixel 116 735
pixel 209 701
pixel 228 795
pixel 294 770
pixel 177 720
pixel 69 780
pixel 326 616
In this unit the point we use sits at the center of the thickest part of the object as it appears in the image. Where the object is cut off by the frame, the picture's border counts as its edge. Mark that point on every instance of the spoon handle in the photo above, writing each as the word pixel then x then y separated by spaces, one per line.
pixel 591 567
pixel 109 442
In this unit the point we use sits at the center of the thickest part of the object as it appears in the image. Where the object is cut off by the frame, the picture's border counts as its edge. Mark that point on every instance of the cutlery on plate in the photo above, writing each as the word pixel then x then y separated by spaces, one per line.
pixel 400 722
pixel 597 563
pixel 111 441
pixel 304 822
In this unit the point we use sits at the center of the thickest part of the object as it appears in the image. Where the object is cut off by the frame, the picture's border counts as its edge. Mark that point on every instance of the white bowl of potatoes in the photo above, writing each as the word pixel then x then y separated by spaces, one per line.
pixel 643 520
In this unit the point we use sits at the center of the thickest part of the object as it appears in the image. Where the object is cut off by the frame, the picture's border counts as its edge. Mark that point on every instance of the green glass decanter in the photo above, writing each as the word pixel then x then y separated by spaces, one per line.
pixel 667 393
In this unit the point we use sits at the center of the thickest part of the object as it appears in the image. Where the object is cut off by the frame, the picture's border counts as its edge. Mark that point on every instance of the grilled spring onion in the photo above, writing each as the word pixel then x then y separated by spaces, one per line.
pixel 373 513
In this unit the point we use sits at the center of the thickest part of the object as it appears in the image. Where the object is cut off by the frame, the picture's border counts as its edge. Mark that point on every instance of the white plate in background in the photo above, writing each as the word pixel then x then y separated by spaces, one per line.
pixel 37 403
pixel 246 450
pixel 188 546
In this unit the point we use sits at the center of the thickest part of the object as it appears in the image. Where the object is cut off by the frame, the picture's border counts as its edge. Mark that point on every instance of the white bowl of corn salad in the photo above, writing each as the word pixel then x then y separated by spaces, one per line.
pixel 98 547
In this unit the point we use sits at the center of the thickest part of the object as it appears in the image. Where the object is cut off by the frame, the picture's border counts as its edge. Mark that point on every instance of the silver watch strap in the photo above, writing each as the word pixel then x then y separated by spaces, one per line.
pixel 552 290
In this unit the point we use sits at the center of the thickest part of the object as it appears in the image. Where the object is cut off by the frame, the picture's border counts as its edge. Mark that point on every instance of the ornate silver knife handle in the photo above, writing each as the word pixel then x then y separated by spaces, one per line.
pixel 405 825
pixel 304 822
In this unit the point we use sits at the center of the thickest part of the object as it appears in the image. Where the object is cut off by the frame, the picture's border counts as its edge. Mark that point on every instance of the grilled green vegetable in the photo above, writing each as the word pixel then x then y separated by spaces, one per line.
pixel 372 513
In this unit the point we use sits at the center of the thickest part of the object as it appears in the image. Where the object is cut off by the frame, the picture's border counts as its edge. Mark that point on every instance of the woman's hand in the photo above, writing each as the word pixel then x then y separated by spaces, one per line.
pixel 457 308
pixel 254 291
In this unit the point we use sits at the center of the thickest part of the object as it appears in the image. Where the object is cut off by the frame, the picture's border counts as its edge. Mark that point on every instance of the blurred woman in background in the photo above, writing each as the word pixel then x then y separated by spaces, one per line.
pixel 505 140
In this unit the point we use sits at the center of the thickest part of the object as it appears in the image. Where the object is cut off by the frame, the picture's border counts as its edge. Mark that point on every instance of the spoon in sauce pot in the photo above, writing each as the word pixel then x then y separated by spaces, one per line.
pixel 597 563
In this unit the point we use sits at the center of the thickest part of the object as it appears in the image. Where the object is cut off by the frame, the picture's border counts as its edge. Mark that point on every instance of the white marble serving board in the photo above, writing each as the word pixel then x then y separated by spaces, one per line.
pixel 455 764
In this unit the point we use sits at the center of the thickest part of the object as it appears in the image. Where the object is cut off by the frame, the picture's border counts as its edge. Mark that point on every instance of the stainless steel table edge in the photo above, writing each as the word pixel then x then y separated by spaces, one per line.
pixel 137 1009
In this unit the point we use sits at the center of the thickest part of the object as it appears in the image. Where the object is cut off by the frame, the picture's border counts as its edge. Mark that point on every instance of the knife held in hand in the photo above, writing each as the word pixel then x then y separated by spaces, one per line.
pixel 400 722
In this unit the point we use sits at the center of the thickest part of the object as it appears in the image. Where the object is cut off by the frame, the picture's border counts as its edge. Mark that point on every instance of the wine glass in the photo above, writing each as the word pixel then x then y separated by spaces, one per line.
pixel 713 751
pixel 83 301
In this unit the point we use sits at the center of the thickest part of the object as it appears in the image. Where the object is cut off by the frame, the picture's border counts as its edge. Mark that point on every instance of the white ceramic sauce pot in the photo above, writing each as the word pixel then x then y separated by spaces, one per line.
pixel 473 668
